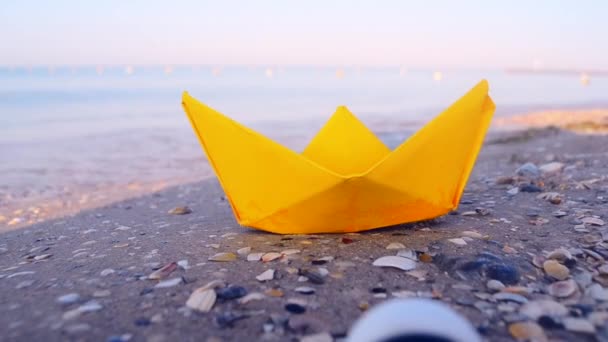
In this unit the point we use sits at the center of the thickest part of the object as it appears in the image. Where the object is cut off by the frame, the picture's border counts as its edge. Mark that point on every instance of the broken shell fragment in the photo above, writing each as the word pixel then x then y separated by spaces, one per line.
pixel 223 257
pixel 396 262
pixel 266 275
pixel 163 272
pixel 202 299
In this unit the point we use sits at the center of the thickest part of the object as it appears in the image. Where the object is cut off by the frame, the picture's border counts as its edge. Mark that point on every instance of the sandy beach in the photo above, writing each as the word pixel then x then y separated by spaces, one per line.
pixel 523 257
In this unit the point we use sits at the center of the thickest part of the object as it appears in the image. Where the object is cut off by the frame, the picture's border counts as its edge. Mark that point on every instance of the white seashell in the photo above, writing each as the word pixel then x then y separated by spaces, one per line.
pixel 396 262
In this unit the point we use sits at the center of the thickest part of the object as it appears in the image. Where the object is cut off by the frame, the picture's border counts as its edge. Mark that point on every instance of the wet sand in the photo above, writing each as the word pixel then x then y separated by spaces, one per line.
pixel 84 277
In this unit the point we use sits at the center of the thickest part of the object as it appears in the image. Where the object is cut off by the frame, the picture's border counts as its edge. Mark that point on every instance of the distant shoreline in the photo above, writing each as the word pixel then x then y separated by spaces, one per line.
pixel 23 207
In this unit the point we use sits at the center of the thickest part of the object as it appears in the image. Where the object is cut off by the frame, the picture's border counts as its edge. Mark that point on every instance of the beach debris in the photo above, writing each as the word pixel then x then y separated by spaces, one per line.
pixel 169 283
pixel 266 275
pixel 510 297
pixel 163 272
pixel 231 292
pixel 254 256
pixel 593 221
pixel 312 276
pixel 274 292
pixel 543 307
pixel 579 325
pixel 89 306
pixel 495 285
pixel 69 298
pixel 529 188
pixel 42 257
pixel 527 331
pixel 563 289
pixel 243 251
pixel 395 245
pixel 346 240
pixel 223 257
pixel 251 297
pixel 458 241
pixel 203 298
pixel 401 263
pixel 556 270
pixel 471 234
pixel 180 211
pixel 529 170
pixel 271 256
pixel 227 319
pixel 559 213
pixel 295 308
pixel 551 197
pixel 305 290
pixel 106 272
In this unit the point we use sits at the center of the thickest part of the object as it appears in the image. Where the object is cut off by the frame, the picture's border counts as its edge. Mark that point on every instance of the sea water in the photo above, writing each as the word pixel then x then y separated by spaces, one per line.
pixel 66 130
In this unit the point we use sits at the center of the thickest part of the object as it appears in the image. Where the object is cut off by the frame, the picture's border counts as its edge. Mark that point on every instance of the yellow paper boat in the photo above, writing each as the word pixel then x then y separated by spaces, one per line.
pixel 346 180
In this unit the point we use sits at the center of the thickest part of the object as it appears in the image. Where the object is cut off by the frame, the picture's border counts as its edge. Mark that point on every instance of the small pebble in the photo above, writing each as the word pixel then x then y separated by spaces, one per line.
pixel 68 298
pixel 231 292
pixel 295 308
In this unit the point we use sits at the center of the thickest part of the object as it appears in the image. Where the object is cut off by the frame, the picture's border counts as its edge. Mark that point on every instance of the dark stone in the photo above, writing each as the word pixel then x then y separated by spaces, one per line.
pixel 295 308
pixel 549 322
pixel 319 262
pixel 467 201
pixel 227 319
pixel 378 290
pixel 529 188
pixel 231 292
pixel 312 276
pixel 570 263
pixel 146 291
pixel 142 322
pixel 503 272
pixel 581 310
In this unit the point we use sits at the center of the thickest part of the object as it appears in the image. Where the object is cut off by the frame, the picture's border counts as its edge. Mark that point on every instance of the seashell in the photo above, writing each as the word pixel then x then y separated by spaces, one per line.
pixel 163 272
pixel 202 299
pixel 222 257
pixel 396 262
pixel 266 275
pixel 563 289
pixel 556 270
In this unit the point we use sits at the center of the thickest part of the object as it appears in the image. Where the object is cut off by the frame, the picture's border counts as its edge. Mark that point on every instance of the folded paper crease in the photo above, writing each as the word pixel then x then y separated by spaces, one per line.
pixel 346 179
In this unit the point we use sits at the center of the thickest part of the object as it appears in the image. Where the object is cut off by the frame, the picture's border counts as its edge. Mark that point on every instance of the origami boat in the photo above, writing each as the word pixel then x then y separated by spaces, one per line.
pixel 346 180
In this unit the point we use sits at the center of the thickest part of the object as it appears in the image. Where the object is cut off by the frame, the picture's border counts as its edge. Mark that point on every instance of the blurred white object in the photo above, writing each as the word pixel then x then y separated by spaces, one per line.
pixel 412 320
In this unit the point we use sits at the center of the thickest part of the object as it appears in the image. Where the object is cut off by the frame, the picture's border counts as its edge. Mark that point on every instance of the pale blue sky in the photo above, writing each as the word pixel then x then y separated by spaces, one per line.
pixel 433 33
